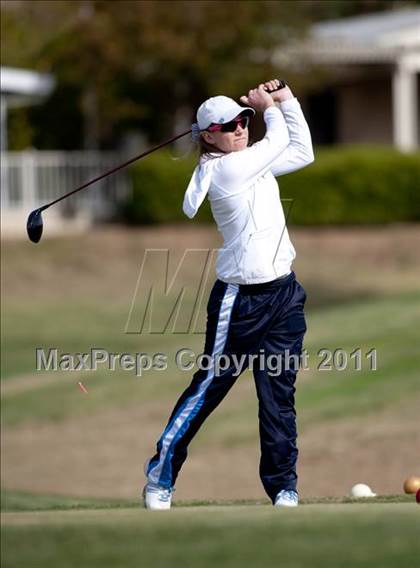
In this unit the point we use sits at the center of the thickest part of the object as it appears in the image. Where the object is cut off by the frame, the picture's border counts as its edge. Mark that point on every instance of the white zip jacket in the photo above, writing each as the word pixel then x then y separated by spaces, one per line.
pixel 245 200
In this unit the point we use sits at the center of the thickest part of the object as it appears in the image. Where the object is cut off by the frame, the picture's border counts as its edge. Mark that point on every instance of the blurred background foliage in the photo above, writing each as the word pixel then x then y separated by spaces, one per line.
pixel 331 191
pixel 144 66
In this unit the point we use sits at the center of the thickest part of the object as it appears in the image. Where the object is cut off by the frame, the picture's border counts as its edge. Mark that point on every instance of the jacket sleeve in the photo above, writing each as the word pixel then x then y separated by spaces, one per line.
pixel 299 152
pixel 238 170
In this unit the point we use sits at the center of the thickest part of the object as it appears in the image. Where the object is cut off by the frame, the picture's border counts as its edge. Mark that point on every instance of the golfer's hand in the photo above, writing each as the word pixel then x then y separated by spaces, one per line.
pixel 258 99
pixel 278 96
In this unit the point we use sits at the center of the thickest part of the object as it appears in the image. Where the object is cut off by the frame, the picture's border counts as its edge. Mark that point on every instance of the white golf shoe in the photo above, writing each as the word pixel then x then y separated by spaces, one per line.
pixel 286 499
pixel 157 498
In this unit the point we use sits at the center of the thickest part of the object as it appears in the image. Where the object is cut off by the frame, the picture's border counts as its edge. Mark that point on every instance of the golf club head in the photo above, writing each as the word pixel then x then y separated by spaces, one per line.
pixel 34 225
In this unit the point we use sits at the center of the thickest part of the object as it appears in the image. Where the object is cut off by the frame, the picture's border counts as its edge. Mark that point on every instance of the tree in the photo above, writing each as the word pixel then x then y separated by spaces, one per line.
pixel 139 64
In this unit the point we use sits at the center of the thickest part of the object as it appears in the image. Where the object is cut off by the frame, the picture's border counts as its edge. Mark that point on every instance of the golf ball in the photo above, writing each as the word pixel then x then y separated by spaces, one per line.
pixel 361 490
pixel 411 484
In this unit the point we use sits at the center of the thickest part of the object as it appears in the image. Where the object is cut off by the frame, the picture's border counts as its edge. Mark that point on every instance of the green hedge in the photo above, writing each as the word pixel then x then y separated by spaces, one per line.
pixel 159 183
pixel 351 185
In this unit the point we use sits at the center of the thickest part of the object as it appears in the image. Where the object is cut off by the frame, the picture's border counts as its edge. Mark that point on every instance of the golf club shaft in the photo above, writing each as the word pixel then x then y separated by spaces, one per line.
pixel 120 167
pixel 125 164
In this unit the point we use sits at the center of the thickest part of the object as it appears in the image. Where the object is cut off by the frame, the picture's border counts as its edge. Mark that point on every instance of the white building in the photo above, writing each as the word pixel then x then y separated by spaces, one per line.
pixel 21 87
pixel 32 178
pixel 370 69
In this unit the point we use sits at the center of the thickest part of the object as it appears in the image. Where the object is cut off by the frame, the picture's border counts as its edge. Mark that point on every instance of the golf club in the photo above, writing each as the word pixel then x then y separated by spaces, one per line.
pixel 34 223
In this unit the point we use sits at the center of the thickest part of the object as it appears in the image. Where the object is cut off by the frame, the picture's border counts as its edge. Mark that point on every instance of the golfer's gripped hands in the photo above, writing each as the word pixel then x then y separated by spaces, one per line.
pixel 282 94
pixel 258 99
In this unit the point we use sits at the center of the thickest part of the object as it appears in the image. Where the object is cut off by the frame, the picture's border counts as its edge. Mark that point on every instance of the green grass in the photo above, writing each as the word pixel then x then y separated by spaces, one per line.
pixel 24 501
pixel 73 326
pixel 19 501
pixel 352 535
pixel 80 299
pixel 390 325
pixel 62 531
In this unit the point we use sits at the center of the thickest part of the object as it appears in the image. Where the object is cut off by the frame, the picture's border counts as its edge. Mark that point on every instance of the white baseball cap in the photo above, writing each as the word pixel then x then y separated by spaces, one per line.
pixel 218 110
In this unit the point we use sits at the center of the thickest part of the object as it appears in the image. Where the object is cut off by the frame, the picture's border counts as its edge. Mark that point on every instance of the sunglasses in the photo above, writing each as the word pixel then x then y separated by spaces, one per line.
pixel 230 126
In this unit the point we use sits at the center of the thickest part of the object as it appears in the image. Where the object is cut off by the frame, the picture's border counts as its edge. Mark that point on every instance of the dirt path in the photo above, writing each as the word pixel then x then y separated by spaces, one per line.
pixel 365 260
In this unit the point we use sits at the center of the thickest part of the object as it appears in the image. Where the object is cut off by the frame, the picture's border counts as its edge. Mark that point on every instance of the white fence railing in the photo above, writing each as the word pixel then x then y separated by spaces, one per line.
pixel 32 178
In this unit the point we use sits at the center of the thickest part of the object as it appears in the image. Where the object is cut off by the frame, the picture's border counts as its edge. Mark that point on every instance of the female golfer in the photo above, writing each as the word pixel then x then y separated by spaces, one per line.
pixel 255 311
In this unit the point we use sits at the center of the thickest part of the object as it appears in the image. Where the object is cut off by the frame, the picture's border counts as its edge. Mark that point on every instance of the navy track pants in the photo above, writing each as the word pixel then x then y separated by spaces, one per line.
pixel 243 320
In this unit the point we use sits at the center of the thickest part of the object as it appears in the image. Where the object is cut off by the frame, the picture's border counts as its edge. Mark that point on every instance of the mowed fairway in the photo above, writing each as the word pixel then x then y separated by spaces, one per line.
pixel 336 535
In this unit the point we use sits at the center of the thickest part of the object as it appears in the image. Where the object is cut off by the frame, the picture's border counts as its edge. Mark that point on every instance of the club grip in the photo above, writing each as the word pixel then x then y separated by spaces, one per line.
pixel 281 86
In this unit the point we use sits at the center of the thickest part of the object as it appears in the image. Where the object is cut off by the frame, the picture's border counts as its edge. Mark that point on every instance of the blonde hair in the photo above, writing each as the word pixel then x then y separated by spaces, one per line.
pixel 204 148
